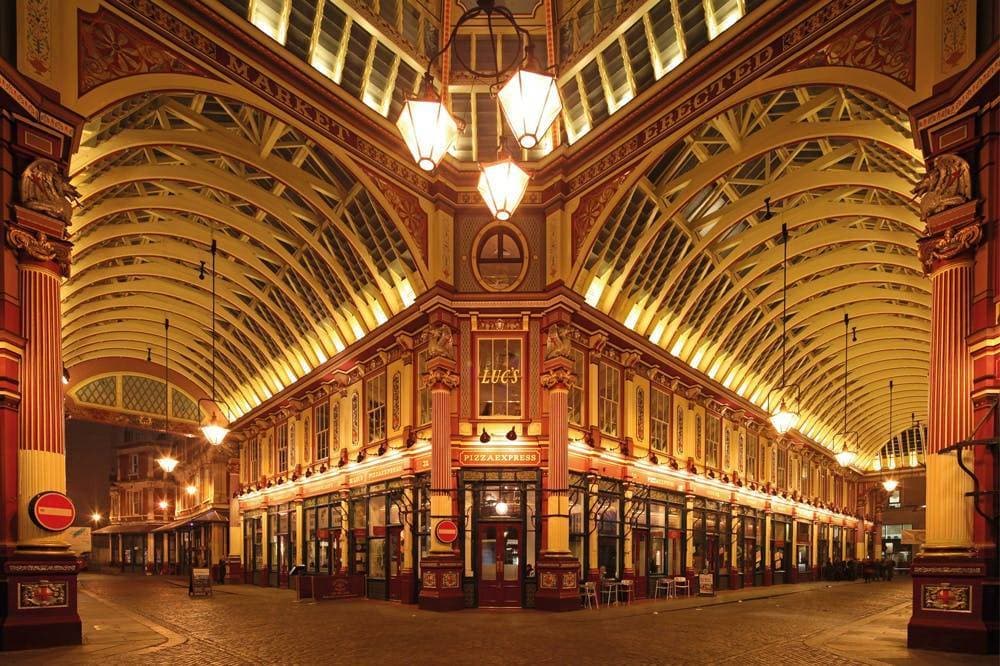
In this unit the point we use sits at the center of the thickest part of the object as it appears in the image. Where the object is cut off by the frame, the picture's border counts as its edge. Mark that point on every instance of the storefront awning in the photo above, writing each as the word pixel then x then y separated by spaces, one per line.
pixel 129 528
pixel 208 516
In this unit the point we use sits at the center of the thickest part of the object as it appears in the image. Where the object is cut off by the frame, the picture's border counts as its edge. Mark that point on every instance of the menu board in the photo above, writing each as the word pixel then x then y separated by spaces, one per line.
pixel 706 585
pixel 200 584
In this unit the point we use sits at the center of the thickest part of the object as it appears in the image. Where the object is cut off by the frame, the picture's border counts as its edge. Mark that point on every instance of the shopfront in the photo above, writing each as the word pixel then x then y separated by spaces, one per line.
pixel 803 542
pixel 500 521
pixel 749 532
pixel 254 555
pixel 781 548
pixel 377 516
pixel 656 518
pixel 710 537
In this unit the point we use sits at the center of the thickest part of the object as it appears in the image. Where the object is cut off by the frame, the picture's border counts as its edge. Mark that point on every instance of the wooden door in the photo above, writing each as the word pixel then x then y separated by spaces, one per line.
pixel 640 557
pixel 395 562
pixel 499 552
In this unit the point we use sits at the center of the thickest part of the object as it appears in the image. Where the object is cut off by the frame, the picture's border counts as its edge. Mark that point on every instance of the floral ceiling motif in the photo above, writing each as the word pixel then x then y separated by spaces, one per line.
pixel 111 49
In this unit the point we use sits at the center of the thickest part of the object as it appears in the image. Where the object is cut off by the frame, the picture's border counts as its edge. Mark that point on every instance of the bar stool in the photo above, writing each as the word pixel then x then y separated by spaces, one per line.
pixel 628 587
pixel 590 592
pixel 664 584
pixel 681 583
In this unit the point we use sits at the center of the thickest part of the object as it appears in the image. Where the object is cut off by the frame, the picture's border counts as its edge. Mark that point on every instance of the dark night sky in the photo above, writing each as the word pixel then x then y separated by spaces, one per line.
pixel 89 458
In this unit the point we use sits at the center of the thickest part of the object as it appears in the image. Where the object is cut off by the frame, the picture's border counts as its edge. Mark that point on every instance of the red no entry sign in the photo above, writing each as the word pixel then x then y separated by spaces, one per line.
pixel 446 531
pixel 52 511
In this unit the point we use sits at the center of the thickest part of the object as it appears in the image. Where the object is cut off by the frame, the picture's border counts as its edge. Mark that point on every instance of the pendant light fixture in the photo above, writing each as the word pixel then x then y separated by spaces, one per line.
pixel 786 416
pixel 502 184
pixel 215 432
pixel 890 483
pixel 529 98
pixel 167 462
pixel 848 439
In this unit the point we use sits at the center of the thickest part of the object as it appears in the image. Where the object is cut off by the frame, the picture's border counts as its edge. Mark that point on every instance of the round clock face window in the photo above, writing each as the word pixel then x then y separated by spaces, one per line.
pixel 500 262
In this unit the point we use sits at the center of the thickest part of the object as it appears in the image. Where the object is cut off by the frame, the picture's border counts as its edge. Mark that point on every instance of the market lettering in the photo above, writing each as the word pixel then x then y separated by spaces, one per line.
pixel 493 375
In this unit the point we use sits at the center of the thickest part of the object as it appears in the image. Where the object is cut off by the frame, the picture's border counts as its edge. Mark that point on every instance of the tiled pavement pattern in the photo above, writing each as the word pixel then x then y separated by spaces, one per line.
pixel 816 624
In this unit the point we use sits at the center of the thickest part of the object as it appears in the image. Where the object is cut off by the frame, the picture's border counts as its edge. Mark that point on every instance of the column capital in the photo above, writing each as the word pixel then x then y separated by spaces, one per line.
pixel 955 242
pixel 439 377
pixel 557 374
pixel 35 246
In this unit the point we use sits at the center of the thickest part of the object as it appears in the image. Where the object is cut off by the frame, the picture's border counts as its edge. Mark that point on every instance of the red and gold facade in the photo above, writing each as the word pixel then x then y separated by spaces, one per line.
pixel 438 408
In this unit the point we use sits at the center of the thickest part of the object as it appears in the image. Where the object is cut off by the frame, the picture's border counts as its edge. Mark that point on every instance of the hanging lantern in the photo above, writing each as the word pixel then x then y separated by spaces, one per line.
pixel 845 456
pixel 167 463
pixel 530 101
pixel 427 127
pixel 215 433
pixel 502 185
pixel 890 485
pixel 784 419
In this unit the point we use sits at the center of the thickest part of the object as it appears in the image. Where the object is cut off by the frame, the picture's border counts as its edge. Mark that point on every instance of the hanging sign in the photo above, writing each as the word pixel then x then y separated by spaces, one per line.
pixel 52 511
pixel 446 531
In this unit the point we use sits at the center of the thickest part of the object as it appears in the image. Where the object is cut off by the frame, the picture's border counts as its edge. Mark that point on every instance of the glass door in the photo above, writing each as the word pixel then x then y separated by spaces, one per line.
pixel 499 552
pixel 640 550
pixel 395 561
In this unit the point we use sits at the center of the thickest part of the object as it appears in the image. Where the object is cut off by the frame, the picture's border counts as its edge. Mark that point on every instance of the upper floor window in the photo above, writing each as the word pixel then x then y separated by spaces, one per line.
pixel 659 419
pixel 752 443
pixel 575 399
pixel 253 459
pixel 322 419
pixel 500 258
pixel 712 437
pixel 608 398
pixel 781 478
pixel 133 464
pixel 721 14
pixel 375 407
pixel 135 503
pixel 500 377
pixel 281 448
pixel 896 499
pixel 804 483
pixel 271 16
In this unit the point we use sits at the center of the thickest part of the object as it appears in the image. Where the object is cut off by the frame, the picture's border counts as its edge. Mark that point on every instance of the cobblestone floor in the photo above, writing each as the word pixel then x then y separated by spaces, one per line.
pixel 817 624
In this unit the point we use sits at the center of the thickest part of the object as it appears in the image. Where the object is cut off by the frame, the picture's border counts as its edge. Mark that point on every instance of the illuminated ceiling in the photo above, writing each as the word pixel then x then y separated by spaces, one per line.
pixel 308 260
pixel 688 259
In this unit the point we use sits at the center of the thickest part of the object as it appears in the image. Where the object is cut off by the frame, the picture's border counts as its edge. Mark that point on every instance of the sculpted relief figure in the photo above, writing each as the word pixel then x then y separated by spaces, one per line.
pixel 558 343
pixel 946 184
pixel 45 189
pixel 439 344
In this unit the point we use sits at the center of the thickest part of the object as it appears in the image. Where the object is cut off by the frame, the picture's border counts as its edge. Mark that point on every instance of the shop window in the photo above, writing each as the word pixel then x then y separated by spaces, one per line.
pixel 608 398
pixel 896 499
pixel 712 441
pixel 577 519
pixel 500 501
pixel 659 419
pixel 323 431
pixel 576 398
pixel 281 448
pixel 375 407
pixel 609 534
pixel 802 541
pixel 423 392
pixel 500 377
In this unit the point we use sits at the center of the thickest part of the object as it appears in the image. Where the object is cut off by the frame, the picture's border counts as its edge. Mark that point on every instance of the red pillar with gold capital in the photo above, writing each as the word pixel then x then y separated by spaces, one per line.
pixel 955 594
pixel 441 569
pixel 558 569
pixel 37 570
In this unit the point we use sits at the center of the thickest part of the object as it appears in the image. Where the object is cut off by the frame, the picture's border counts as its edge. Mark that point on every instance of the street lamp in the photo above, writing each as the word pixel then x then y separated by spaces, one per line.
pixel 502 185
pixel 530 100
pixel 427 127
pixel 95 517
pixel 167 463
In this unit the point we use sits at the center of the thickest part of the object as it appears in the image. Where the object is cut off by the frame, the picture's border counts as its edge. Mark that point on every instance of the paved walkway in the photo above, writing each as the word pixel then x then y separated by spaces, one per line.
pixel 145 620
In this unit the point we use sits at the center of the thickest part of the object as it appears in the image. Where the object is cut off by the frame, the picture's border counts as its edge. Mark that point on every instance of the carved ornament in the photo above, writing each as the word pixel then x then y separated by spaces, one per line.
pixel 947 184
pixel 558 342
pixel 558 378
pixel 950 244
pixel 45 189
pixel 38 246
pixel 440 377
pixel 439 342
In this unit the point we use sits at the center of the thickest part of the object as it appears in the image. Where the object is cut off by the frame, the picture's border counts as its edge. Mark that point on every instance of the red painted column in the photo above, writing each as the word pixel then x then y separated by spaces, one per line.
pixel 558 569
pixel 955 577
pixel 441 570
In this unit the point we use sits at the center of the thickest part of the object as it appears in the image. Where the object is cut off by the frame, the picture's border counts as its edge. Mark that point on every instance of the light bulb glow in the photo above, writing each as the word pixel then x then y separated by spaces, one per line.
pixel 95 517
pixel 502 185
pixel 167 463
pixel 890 485
pixel 784 419
pixel 191 489
pixel 164 504
pixel 501 508
pixel 530 102
pixel 214 432
pixel 427 127
pixel 845 457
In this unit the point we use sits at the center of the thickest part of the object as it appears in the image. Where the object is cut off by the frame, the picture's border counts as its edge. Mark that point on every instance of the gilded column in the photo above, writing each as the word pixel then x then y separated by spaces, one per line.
pixel 441 570
pixel 41 456
pixel 558 570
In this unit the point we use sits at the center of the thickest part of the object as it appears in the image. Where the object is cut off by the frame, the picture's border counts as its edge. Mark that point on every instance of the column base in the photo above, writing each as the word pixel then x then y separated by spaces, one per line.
pixel 441 582
pixel 955 601
pixel 407 586
pixel 39 591
pixel 558 582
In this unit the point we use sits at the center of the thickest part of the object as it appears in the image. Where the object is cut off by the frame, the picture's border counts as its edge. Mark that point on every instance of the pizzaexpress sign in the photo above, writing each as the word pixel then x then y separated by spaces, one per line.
pixel 500 457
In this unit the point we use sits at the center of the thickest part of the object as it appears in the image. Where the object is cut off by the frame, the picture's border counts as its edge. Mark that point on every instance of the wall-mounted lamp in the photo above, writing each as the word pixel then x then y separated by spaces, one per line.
pixel 484 437
pixel 512 434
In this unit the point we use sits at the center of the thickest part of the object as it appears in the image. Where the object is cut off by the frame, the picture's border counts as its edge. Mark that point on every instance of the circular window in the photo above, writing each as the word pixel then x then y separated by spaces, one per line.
pixel 500 260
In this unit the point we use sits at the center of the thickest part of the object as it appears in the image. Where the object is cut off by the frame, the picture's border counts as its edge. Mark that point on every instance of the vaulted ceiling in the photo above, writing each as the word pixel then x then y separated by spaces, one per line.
pixel 689 258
